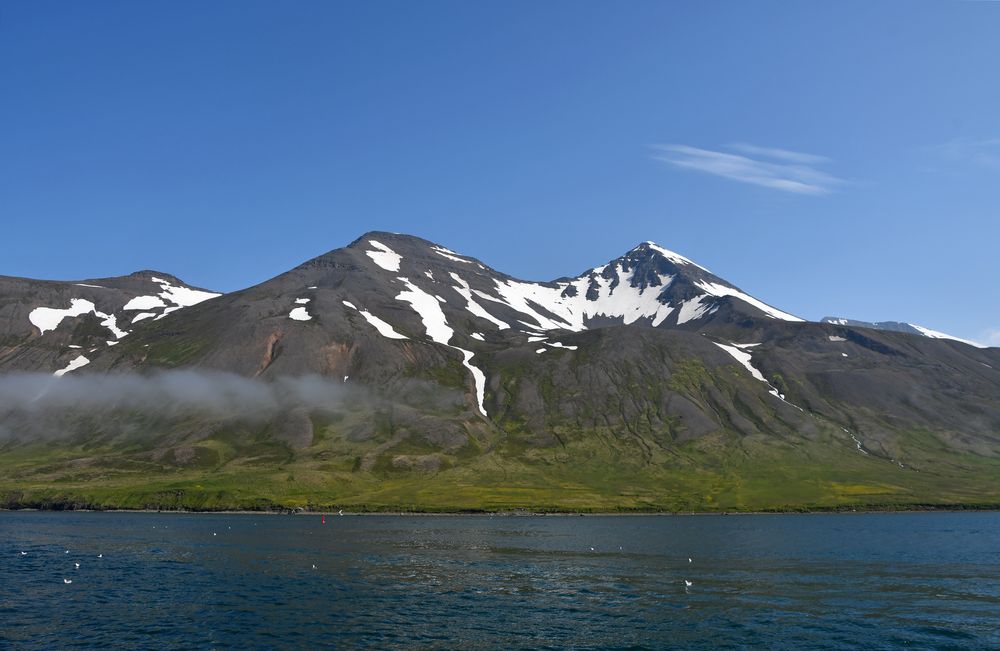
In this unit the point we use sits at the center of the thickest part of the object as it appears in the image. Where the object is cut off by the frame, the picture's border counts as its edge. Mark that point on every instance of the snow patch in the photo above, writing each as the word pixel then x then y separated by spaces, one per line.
pixel 299 314
pixel 476 335
pixel 72 366
pixel 384 256
pixel 833 338
pixel 182 296
pixel 694 308
pixel 111 323
pixel 540 351
pixel 429 310
pixel 715 289
pixel 556 344
pixel 472 306
pixel 448 253
pixel 745 358
pixel 144 303
pixel 567 307
pixel 436 325
pixel 86 285
pixel 934 334
pixel 49 318
pixel 384 329
pixel 302 301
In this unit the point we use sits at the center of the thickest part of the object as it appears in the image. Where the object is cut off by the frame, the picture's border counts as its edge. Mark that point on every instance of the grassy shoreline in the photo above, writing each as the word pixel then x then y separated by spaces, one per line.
pixel 858 509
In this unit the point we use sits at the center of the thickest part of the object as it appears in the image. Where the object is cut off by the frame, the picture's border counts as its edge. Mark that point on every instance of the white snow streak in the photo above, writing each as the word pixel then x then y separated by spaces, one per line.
pixel 111 323
pixel 694 308
pixel 144 303
pixel 448 253
pixel 182 296
pixel 384 256
pixel 299 314
pixel 934 334
pixel 436 325
pixel 383 328
pixel 478 310
pixel 715 289
pixel 72 366
pixel 745 358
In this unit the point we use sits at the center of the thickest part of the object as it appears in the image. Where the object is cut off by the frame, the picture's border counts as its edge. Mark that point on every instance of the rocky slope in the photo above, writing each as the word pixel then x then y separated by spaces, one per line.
pixel 48 325
pixel 898 326
pixel 647 382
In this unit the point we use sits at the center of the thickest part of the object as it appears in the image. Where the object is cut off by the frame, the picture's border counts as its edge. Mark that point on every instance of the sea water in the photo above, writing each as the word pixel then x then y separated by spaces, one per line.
pixel 225 581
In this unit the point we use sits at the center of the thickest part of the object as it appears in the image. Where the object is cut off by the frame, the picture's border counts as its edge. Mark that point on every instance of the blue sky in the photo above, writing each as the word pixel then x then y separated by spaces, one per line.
pixel 830 158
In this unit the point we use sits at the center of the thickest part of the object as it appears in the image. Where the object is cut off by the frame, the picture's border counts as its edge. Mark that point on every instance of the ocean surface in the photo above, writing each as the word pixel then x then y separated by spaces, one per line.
pixel 223 581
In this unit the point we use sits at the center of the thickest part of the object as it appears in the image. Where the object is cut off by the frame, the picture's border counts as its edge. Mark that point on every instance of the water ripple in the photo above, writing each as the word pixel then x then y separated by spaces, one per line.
pixel 238 581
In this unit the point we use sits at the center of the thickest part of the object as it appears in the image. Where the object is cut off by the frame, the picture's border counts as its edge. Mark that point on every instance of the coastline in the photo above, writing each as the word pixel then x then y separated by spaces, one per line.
pixel 951 508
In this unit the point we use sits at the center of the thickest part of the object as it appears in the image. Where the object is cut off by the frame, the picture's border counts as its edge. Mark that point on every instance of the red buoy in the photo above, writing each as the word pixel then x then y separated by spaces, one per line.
pixel 324 519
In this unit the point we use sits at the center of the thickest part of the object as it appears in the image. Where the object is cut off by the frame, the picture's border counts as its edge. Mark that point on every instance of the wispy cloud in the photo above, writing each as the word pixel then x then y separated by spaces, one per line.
pixel 984 152
pixel 778 169
pixel 780 154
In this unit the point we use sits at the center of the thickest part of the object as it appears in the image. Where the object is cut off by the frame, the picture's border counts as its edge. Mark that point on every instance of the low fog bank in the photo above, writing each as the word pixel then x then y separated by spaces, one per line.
pixel 170 393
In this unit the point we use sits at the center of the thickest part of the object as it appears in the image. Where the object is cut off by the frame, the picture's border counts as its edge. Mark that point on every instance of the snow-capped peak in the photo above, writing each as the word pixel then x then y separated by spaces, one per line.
pixel 676 258
pixel 650 284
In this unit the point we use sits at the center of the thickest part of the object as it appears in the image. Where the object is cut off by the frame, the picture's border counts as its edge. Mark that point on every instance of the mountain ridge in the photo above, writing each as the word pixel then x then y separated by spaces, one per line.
pixel 640 383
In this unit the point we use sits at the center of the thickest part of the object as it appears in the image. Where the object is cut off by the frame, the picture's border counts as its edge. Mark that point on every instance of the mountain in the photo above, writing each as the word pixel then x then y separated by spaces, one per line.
pixel 54 325
pixel 644 383
pixel 898 326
